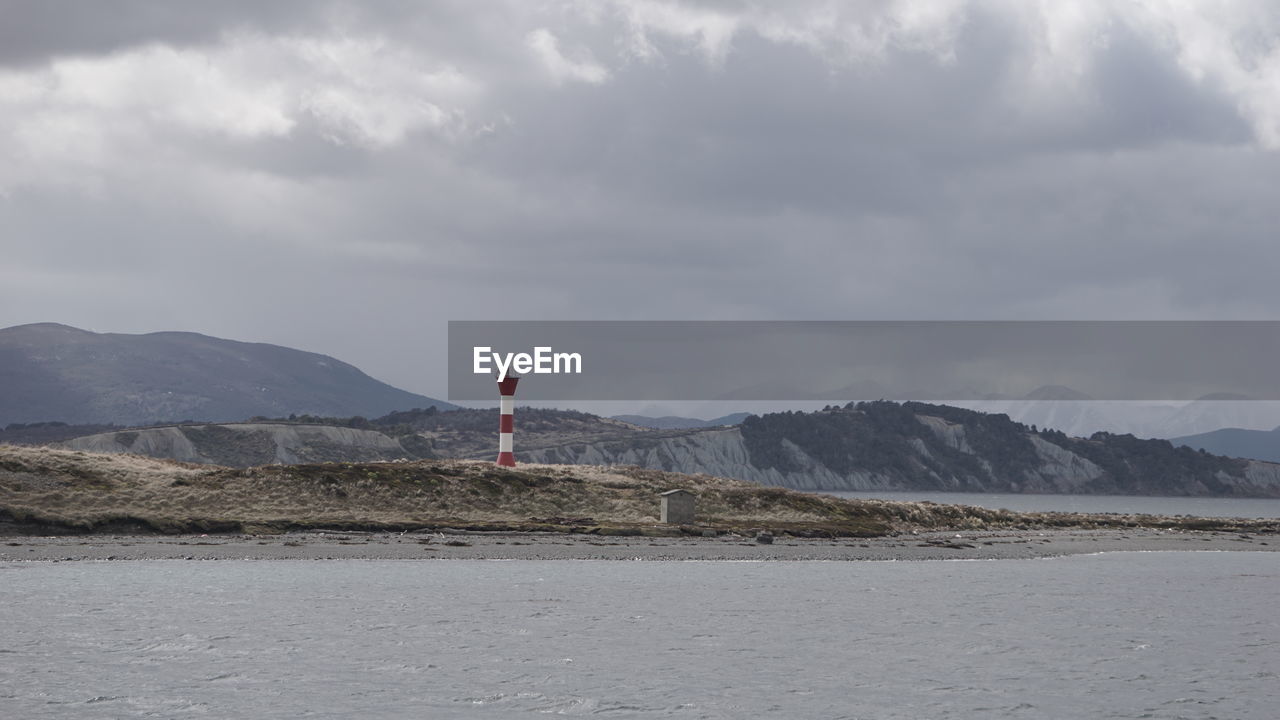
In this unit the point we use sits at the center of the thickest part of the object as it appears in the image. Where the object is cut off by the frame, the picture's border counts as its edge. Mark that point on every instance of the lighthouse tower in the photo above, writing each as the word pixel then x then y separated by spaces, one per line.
pixel 506 420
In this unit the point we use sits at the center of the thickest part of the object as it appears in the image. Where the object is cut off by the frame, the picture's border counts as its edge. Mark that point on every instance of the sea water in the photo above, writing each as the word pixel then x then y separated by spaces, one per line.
pixel 1123 635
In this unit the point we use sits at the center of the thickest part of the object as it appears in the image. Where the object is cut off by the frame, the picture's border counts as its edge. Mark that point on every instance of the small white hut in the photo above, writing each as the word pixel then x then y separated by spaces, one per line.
pixel 677 507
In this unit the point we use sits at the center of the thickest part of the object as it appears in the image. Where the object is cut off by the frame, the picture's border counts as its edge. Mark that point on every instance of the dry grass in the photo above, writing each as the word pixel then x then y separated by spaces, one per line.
pixel 64 489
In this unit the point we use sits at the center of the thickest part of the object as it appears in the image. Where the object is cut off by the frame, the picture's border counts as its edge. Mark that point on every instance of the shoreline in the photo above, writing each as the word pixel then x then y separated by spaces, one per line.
pixel 999 544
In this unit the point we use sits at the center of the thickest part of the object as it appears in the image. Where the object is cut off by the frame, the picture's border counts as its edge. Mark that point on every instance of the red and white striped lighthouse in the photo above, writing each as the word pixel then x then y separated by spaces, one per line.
pixel 506 420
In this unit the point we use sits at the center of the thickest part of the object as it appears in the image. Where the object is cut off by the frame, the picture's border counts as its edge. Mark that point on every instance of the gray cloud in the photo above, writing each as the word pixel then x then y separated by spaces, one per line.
pixel 345 178
pixel 35 31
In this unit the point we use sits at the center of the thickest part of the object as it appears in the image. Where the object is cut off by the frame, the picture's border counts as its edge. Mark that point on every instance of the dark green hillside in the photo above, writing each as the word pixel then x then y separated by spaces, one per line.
pixel 936 447
pixel 1144 467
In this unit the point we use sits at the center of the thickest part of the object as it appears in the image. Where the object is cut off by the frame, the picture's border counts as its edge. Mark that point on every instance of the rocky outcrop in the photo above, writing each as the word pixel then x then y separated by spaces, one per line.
pixel 1263 479
pixel 1061 470
pixel 871 446
pixel 714 452
pixel 248 444
pixel 986 454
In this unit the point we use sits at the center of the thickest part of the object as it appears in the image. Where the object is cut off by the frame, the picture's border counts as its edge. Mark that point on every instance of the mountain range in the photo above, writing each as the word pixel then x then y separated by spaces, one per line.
pixel 306 407
pixel 1236 442
pixel 867 446
pixel 918 446
pixel 675 422
pixel 1062 408
pixel 52 372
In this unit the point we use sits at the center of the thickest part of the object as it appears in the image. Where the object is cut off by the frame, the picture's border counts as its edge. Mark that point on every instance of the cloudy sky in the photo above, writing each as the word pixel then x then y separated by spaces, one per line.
pixel 345 178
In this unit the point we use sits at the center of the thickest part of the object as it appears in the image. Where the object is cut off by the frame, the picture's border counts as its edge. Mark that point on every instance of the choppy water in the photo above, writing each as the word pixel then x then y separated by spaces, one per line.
pixel 1200 507
pixel 1129 635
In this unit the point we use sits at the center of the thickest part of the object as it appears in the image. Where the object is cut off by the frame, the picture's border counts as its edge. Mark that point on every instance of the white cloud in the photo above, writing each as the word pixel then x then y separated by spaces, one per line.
pixel 189 89
pixel 1231 45
pixel 709 30
pixel 372 92
pixel 63 121
pixel 842 33
pixel 790 160
pixel 582 69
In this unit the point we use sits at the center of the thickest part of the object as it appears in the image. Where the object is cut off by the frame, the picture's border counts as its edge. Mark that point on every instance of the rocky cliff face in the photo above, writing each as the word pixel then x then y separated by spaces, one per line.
pixel 871 446
pixel 249 444
pixel 903 447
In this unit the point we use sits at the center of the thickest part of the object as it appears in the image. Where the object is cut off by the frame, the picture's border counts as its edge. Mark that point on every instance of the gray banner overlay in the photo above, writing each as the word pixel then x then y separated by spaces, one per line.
pixel 840 361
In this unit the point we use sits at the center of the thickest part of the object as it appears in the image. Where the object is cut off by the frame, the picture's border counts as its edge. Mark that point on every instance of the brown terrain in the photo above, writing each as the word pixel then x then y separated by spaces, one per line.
pixel 48 490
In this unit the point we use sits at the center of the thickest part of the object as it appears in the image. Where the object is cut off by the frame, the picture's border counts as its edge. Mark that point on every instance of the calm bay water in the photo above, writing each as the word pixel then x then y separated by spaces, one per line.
pixel 1126 635
pixel 1201 507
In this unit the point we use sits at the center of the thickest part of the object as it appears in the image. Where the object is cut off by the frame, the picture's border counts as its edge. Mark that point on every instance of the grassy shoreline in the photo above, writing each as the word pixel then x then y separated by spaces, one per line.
pixel 463 545
pixel 48 491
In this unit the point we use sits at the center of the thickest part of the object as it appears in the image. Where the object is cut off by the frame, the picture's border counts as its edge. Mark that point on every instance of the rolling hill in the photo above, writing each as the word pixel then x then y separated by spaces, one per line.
pixel 1236 442
pixel 864 446
pixel 248 444
pixel 51 372
pixel 917 446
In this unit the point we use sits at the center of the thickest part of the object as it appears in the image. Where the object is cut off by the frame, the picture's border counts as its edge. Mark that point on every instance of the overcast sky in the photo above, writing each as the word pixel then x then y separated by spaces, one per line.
pixel 345 178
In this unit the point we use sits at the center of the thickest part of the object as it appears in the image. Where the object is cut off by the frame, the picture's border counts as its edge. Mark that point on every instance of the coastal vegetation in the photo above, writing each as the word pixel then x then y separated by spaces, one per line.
pixel 939 447
pixel 53 490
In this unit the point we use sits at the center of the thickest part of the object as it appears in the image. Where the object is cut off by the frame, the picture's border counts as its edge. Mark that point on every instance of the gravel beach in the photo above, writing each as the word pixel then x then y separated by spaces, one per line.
pixel 324 545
